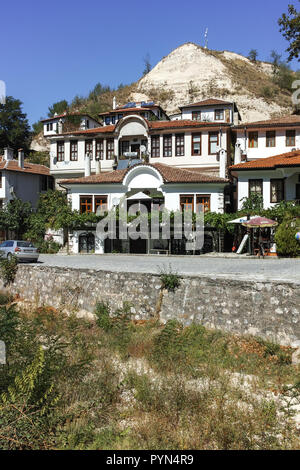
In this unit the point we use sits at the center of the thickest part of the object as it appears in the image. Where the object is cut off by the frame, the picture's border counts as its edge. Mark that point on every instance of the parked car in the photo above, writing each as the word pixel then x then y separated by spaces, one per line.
pixel 24 251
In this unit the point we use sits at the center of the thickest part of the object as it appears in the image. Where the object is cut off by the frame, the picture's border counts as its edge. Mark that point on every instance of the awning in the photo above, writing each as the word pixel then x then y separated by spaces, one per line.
pixel 260 222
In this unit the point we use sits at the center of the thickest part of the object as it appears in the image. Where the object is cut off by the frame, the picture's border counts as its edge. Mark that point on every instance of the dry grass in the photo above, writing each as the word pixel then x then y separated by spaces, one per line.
pixel 143 385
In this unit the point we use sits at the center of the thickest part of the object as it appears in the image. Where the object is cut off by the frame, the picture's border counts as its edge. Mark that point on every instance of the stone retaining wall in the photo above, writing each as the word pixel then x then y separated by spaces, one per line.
pixel 267 309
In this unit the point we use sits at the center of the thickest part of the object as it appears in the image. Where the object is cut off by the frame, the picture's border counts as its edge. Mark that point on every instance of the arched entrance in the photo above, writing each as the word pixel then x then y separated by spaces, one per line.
pixel 87 242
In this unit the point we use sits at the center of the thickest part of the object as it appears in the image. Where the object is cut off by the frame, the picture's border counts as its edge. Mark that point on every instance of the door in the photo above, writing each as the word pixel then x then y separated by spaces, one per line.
pixel 86 243
pixel 138 246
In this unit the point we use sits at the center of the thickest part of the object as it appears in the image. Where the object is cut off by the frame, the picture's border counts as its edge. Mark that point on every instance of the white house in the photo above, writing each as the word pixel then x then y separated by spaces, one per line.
pixel 19 179
pixel 56 124
pixel 274 178
pixel 177 189
pixel 211 110
pixel 184 144
pixel 264 139
pixel 147 109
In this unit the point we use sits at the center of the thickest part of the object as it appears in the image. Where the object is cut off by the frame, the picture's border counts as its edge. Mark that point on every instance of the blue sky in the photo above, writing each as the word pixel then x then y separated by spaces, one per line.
pixel 58 49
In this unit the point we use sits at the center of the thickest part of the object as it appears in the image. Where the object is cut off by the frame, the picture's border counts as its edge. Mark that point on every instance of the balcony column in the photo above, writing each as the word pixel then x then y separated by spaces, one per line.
pixel 161 146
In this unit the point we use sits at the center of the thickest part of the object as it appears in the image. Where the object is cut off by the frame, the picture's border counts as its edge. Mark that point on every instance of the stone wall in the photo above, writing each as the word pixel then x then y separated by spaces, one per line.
pixel 267 309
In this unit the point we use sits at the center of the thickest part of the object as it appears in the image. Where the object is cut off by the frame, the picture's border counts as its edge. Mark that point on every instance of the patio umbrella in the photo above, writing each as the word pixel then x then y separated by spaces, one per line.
pixel 241 219
pixel 260 222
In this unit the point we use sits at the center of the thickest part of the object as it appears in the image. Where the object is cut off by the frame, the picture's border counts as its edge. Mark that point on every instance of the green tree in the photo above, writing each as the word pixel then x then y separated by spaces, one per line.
pixel 14 127
pixel 60 107
pixel 41 158
pixel 290 28
pixel 147 64
pixel 37 127
pixel 286 243
pixel 15 217
pixel 253 54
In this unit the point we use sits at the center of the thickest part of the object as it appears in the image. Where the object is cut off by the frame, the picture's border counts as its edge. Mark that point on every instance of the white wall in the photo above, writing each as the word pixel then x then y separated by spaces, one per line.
pixel 262 151
pixel 189 160
pixel 291 179
pixel 207 113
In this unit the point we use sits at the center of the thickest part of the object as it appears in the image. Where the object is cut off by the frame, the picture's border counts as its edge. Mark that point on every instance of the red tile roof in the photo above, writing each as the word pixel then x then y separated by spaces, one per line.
pixel 289 120
pixel 208 102
pixel 96 130
pixel 153 125
pixel 169 174
pixel 284 160
pixel 68 114
pixel 184 123
pixel 12 165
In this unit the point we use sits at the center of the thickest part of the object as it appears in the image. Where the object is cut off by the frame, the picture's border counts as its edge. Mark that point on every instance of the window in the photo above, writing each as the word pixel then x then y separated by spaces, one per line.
pixel 256 187
pixel 99 149
pixel 213 143
pixel 100 204
pixel 73 150
pixel 89 148
pixel 253 140
pixel 60 151
pixel 167 145
pixel 155 146
pixel 107 120
pixel 86 204
pixel 49 126
pixel 277 190
pixel 202 203
pixel 187 203
pixel 219 114
pixel 87 124
pixel 179 145
pixel 120 116
pixel 110 149
pixel 196 115
pixel 270 139
pixel 113 119
pixel 290 138
pixel 124 146
pixel 196 144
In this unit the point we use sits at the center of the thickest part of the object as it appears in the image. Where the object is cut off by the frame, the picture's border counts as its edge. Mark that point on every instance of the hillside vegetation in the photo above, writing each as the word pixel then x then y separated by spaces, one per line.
pixel 115 383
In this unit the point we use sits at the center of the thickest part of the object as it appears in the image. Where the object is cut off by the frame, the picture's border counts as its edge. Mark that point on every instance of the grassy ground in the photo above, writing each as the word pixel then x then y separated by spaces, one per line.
pixel 113 383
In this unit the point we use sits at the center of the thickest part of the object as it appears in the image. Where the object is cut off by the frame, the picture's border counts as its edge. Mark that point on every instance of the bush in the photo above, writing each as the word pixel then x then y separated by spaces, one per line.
pixel 47 246
pixel 169 279
pixel 8 270
pixel 286 243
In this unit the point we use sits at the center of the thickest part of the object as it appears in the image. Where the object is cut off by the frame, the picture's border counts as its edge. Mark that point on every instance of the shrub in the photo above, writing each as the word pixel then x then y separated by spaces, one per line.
pixel 169 279
pixel 47 246
pixel 286 243
pixel 8 270
pixel 102 313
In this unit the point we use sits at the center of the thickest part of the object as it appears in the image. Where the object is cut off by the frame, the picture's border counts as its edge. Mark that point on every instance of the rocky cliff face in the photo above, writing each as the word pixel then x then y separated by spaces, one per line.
pixel 191 73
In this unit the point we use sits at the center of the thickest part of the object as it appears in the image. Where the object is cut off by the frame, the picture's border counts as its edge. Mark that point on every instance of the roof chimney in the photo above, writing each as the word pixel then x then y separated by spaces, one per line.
pixel 8 153
pixel 21 158
pixel 87 165
pixel 237 154
pixel 114 102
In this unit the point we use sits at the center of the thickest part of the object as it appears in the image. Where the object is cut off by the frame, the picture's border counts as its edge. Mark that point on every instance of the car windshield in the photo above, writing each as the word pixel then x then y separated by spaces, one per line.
pixel 25 244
